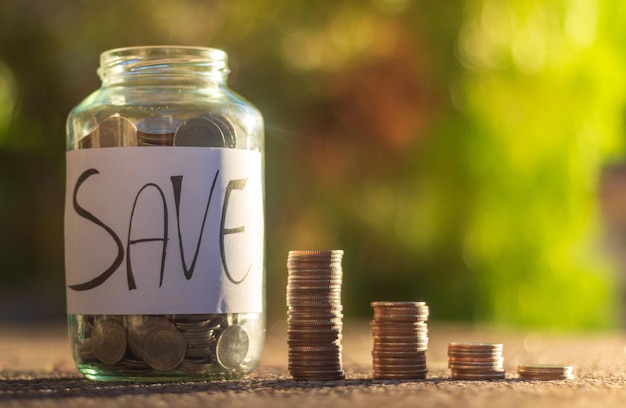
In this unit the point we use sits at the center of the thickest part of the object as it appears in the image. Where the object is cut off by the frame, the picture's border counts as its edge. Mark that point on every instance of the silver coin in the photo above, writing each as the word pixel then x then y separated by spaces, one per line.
pixel 163 348
pixel 116 131
pixel 108 341
pixel 138 327
pixel 232 347
pixel 230 137
pixel 200 131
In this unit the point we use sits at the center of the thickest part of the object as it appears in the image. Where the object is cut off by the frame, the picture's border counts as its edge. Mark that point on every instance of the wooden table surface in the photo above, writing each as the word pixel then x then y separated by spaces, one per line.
pixel 36 369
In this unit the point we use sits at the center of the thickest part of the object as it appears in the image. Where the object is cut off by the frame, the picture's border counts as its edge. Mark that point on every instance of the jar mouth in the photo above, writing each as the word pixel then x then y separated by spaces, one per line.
pixel 159 58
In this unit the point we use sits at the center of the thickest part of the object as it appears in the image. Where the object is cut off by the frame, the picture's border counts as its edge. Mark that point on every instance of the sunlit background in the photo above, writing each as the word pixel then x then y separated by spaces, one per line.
pixel 464 153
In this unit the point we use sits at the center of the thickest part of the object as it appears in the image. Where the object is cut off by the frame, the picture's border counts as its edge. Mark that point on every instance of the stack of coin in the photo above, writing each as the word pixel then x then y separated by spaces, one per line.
pixel 545 372
pixel 315 317
pixel 475 361
pixel 400 340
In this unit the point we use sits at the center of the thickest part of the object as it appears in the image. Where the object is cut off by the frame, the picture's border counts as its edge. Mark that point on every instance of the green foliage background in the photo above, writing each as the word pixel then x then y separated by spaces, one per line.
pixel 453 149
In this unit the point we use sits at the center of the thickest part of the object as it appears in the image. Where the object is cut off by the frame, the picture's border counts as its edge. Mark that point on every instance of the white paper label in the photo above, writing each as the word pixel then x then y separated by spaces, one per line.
pixel 164 230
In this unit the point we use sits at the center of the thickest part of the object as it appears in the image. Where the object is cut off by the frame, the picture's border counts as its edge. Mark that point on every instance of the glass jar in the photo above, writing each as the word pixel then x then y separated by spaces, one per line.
pixel 164 222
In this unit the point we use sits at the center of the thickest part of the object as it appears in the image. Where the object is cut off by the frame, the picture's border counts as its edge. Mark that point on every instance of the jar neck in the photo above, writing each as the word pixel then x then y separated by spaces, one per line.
pixel 135 65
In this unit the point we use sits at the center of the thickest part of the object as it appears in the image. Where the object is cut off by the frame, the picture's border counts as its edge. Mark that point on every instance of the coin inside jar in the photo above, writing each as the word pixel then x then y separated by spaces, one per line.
pixel 157 131
pixel 232 347
pixel 225 126
pixel 200 131
pixel 163 348
pixel 108 341
pixel 116 131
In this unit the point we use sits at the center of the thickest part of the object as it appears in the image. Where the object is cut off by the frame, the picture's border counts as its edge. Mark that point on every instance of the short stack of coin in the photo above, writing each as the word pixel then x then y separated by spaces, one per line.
pixel 400 340
pixel 315 317
pixel 545 372
pixel 475 361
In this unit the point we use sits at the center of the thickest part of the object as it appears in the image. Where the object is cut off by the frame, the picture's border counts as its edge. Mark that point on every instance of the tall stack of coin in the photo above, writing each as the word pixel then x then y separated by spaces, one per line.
pixel 545 372
pixel 475 361
pixel 400 340
pixel 315 317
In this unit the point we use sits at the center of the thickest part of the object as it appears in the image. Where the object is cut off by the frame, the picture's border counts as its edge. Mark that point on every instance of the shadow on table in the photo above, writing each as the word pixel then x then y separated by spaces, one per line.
pixel 32 386
pixel 57 385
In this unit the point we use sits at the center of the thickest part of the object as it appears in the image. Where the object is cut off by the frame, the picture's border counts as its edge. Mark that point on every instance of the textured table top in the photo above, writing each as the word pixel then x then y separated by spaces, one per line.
pixel 36 369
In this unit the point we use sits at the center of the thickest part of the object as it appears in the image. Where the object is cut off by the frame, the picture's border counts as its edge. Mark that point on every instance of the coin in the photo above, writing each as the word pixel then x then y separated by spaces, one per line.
pixel 399 354
pixel 200 131
pixel 108 341
pixel 230 137
pixel 476 360
pixel 475 367
pixel 458 374
pixel 157 131
pixel 382 305
pixel 163 348
pixel 418 375
pixel 232 347
pixel 475 347
pixel 116 131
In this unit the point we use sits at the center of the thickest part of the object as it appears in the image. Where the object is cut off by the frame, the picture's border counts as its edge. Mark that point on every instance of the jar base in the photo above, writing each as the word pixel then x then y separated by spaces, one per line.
pixel 98 373
pixel 196 347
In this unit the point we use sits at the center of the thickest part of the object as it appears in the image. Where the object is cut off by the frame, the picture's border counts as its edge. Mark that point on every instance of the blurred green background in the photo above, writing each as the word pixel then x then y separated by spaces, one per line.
pixel 464 153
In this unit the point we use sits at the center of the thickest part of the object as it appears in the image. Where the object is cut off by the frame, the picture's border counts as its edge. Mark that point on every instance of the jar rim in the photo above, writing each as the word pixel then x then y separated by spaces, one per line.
pixel 143 59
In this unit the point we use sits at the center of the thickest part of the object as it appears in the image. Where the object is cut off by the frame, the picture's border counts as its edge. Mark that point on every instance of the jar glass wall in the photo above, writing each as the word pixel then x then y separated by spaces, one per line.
pixel 164 220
